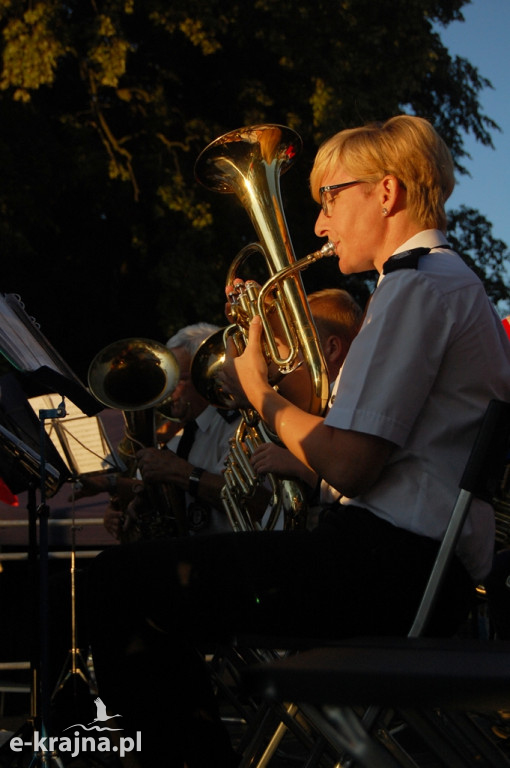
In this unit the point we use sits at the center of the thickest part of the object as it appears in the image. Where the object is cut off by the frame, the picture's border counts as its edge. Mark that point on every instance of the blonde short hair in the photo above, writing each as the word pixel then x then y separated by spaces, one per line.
pixel 404 146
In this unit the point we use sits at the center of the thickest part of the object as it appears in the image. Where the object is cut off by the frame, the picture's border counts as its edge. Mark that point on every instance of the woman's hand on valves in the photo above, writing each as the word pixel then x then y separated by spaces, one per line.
pixel 269 457
pixel 243 375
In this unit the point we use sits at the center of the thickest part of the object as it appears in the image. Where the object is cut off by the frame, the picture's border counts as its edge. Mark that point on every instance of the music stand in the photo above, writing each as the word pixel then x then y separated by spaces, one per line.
pixel 83 444
pixel 24 459
pixel 74 439
pixel 44 755
pixel 26 468
pixel 75 666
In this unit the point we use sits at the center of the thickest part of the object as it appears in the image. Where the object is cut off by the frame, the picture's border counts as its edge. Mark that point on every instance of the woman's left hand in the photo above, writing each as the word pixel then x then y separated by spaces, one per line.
pixel 243 375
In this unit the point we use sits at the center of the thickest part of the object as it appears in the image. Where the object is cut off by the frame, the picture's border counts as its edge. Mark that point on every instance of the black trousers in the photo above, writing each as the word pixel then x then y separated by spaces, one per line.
pixel 150 603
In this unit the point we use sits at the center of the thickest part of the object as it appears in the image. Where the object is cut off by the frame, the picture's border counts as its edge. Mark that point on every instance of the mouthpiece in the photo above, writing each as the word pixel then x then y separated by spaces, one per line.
pixel 328 249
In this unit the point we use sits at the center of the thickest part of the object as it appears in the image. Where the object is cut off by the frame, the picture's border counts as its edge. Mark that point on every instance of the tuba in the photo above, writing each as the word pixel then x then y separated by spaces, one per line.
pixel 137 377
pixel 249 162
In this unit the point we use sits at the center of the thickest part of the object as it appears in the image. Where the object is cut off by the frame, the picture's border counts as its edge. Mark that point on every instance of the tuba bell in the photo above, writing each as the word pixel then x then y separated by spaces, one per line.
pixel 249 162
pixel 137 377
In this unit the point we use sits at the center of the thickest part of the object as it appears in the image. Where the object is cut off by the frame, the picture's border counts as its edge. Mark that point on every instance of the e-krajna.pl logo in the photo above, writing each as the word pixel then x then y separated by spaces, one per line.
pixel 78 743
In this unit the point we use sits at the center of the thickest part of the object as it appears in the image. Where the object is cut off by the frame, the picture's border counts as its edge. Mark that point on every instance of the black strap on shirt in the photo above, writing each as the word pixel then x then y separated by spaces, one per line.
pixel 187 439
pixel 404 260
pixel 408 259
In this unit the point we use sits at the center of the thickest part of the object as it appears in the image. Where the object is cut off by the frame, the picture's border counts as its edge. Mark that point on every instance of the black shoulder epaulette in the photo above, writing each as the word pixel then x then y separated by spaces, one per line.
pixel 229 415
pixel 408 259
pixel 404 260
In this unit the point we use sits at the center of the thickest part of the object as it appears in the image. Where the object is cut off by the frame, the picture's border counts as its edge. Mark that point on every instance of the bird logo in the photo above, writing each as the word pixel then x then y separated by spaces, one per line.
pixel 101 717
pixel 101 714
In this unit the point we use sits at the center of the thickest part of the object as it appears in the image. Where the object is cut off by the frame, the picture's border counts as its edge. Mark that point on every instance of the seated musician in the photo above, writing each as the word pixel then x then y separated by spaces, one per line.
pixel 191 466
pixel 430 355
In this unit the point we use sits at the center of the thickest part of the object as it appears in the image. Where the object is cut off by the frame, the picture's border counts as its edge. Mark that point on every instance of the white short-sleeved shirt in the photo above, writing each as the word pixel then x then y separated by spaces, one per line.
pixel 429 357
pixel 209 451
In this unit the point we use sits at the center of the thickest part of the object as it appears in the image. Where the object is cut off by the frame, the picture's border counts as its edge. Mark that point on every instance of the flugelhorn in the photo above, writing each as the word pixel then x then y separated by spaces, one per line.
pixel 137 377
pixel 249 162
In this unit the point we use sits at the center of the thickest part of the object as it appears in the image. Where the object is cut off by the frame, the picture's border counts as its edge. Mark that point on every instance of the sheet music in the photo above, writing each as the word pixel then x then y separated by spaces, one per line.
pixel 81 440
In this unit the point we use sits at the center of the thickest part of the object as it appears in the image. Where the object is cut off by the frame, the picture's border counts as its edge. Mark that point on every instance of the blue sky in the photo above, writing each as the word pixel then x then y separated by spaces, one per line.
pixel 484 39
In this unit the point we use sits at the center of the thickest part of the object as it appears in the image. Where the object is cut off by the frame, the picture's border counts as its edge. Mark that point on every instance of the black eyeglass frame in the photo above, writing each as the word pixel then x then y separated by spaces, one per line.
pixel 330 188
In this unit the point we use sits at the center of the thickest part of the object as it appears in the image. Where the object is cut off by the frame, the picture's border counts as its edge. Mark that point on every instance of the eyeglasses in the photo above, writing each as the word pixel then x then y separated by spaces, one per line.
pixel 327 198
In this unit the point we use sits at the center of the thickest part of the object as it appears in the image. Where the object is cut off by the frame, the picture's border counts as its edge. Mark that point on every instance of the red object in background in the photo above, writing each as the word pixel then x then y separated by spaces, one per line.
pixel 506 325
pixel 7 496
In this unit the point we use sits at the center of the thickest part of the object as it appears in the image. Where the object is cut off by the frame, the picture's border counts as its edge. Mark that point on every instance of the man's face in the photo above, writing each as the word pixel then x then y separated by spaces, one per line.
pixel 186 403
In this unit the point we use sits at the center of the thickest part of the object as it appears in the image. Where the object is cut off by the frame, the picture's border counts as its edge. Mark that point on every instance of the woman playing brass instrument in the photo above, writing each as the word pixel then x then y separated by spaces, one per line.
pixel 337 317
pixel 430 355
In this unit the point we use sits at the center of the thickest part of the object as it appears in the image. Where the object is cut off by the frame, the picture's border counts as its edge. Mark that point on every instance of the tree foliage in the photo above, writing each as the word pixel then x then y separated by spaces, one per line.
pixel 106 105
pixel 470 234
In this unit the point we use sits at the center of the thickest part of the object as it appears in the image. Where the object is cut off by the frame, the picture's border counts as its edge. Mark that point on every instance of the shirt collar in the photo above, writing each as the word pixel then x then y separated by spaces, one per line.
pixel 428 238
pixel 204 419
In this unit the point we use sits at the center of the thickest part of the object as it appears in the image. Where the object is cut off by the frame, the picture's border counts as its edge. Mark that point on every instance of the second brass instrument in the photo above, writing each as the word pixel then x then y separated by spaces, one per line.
pixel 137 377
pixel 248 162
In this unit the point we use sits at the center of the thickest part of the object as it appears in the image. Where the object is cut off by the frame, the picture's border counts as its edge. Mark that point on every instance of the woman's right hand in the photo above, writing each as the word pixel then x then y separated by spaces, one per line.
pixel 277 460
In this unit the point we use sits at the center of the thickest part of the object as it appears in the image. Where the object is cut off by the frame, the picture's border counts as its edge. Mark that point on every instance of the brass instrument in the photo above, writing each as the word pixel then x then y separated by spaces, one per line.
pixel 137 377
pixel 248 162
pixel 241 481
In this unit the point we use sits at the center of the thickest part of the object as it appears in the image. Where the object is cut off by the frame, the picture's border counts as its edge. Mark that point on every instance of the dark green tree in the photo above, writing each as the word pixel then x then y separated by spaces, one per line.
pixel 106 105
pixel 470 233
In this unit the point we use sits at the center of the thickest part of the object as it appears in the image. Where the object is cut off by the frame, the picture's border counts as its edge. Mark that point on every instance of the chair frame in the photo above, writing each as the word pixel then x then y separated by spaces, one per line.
pixel 449 732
